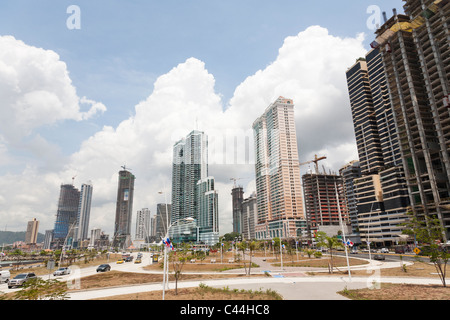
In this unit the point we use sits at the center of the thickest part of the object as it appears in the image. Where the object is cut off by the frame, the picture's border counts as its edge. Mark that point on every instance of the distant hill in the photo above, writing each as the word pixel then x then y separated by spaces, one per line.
pixel 9 237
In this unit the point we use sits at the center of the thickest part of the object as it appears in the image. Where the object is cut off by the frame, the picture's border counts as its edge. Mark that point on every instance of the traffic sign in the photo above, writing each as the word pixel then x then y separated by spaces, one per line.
pixel 416 250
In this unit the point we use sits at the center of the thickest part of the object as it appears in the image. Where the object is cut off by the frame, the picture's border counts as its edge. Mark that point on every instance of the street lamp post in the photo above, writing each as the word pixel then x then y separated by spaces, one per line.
pixel 343 231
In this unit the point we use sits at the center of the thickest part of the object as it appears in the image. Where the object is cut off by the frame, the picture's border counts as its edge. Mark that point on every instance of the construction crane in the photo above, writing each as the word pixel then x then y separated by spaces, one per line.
pixel 73 179
pixel 124 167
pixel 235 179
pixel 316 160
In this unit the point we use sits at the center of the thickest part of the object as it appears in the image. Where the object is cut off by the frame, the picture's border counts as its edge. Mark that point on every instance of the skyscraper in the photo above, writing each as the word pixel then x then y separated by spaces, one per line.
pixel 208 211
pixel 190 165
pixel 143 224
pixel 237 195
pixel 380 192
pixel 124 209
pixel 349 173
pixel 32 231
pixel 415 51
pixel 249 213
pixel 66 215
pixel 162 220
pixel 84 212
pixel 278 185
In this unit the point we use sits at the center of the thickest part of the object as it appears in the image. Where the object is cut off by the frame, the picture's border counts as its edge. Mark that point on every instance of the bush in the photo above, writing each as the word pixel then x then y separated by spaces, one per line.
pixel 318 254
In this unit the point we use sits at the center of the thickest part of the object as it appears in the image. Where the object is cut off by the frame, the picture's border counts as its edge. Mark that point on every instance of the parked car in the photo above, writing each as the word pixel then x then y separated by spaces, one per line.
pixel 20 279
pixel 103 268
pixel 129 259
pixel 61 271
pixel 4 276
pixel 379 257
pixel 137 261
pixel 400 250
pixel 384 250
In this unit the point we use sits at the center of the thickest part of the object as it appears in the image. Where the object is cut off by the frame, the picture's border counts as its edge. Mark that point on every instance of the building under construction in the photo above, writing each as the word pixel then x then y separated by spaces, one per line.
pixel 415 51
pixel 124 209
pixel 325 203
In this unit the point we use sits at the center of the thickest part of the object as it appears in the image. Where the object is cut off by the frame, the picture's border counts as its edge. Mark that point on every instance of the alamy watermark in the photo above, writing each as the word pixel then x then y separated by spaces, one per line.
pixel 374 20
pixel 73 22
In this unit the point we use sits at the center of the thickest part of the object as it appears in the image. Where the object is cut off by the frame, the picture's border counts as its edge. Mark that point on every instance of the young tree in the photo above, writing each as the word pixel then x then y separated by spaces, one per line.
pixel 330 243
pixel 179 259
pixel 430 231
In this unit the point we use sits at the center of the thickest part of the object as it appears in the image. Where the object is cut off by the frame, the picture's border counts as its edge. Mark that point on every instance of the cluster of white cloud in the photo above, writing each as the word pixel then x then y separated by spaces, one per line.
pixel 36 90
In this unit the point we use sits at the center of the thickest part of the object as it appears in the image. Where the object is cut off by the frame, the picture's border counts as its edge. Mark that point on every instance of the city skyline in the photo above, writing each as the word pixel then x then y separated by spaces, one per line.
pixel 82 134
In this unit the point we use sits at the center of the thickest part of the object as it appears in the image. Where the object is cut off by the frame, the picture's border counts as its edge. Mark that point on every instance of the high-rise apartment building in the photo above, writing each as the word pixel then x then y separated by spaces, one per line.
pixel 124 209
pixel 32 232
pixel 349 173
pixel 249 210
pixel 416 58
pixel 278 185
pixel 381 207
pixel 84 212
pixel 143 224
pixel 66 216
pixel 162 220
pixel 190 165
pixel 208 212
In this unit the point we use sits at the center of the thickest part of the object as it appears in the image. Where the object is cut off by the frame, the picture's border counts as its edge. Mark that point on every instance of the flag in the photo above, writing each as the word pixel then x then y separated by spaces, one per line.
pixel 166 241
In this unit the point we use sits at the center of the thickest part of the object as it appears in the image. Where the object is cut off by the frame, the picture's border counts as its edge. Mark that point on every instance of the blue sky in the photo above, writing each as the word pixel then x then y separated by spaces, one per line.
pixel 243 50
pixel 123 46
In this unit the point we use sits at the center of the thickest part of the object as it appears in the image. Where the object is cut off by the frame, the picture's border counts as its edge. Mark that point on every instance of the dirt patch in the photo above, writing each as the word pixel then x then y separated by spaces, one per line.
pixel 118 278
pixel 199 267
pixel 319 262
pixel 390 291
pixel 418 269
pixel 200 293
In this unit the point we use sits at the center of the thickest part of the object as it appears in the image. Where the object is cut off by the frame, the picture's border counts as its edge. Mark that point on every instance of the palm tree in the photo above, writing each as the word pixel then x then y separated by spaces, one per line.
pixel 330 243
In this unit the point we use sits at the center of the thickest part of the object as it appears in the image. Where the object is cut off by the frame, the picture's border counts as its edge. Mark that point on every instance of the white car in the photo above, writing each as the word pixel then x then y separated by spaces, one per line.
pixel 61 271
pixel 384 250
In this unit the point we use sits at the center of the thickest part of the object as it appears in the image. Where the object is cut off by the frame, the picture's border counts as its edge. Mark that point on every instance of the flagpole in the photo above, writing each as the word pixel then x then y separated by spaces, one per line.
pixel 167 243
pixel 164 272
